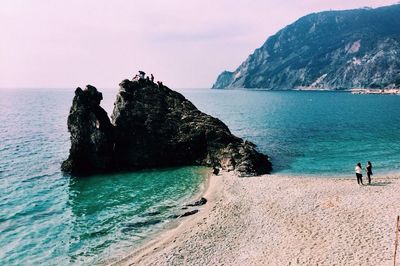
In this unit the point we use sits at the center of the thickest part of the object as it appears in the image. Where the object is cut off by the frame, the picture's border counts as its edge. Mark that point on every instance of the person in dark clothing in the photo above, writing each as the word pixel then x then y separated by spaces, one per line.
pixel 369 172
pixel 215 170
pixel 216 166
pixel 151 77
pixel 358 171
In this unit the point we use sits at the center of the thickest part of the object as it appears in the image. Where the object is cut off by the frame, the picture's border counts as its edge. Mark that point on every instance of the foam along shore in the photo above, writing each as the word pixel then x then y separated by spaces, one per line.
pixel 282 220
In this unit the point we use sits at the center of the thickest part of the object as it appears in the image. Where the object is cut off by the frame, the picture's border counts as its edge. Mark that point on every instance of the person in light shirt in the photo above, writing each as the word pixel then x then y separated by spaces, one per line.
pixel 358 170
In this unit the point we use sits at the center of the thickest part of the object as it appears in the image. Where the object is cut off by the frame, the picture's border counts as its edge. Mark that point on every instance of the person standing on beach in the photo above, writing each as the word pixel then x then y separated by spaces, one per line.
pixel 358 170
pixel 369 171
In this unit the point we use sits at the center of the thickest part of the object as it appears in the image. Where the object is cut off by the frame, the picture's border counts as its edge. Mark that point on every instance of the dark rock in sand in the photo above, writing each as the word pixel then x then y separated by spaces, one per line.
pixel 189 213
pixel 152 127
pixel 200 202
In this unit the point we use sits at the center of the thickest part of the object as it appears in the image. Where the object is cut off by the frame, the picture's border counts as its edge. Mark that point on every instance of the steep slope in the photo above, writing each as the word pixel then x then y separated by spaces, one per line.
pixel 330 50
pixel 152 126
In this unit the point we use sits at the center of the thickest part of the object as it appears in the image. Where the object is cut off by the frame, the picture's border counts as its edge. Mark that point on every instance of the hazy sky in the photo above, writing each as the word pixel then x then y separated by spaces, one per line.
pixel 185 43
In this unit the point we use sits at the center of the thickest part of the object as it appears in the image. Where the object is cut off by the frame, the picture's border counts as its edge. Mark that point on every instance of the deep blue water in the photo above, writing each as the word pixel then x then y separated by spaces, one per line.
pixel 45 214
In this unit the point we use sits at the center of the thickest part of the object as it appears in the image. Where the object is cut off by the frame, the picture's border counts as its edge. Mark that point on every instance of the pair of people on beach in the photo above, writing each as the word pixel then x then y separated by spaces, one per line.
pixel 358 170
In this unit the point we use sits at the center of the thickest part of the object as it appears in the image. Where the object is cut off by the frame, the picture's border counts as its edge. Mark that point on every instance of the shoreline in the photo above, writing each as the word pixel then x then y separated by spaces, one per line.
pixel 376 91
pixel 280 219
pixel 210 190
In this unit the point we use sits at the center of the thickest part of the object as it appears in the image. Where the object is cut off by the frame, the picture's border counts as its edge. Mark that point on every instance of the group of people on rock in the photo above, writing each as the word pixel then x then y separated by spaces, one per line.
pixel 358 170
pixel 142 76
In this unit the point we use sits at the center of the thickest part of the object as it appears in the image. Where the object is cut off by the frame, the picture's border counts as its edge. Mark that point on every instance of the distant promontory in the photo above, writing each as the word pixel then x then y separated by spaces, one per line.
pixel 335 50
pixel 152 126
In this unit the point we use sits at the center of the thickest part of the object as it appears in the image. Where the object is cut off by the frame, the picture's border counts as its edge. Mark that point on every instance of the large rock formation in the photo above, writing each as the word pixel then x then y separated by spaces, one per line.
pixel 92 134
pixel 152 126
pixel 329 50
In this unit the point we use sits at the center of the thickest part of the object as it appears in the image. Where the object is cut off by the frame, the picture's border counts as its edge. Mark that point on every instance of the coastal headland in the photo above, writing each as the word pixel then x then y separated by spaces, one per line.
pixel 283 220
pixel 330 50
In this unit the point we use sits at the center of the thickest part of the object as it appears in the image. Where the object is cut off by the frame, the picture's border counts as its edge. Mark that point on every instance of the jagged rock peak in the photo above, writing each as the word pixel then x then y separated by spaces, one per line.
pixel 152 126
pixel 92 134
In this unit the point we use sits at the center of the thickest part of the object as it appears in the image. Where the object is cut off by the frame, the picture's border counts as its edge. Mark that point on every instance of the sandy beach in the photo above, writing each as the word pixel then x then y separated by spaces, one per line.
pixel 282 220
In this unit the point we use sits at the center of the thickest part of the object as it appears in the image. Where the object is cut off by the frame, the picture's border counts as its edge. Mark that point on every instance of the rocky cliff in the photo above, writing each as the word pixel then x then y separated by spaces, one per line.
pixel 152 126
pixel 329 50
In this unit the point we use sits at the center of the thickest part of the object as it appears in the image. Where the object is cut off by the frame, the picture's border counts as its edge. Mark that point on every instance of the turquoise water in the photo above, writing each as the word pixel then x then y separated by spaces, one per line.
pixel 50 218
pixel 47 217
pixel 313 133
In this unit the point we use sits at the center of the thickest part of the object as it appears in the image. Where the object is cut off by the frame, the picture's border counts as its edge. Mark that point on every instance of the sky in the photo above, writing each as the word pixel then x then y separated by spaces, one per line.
pixel 184 43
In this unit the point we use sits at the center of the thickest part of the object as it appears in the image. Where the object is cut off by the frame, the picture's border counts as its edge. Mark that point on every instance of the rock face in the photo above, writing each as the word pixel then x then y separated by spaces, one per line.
pixel 329 50
pixel 152 126
pixel 92 134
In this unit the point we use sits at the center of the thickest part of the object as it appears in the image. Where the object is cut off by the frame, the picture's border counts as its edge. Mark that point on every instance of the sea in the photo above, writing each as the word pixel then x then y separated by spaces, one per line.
pixel 51 218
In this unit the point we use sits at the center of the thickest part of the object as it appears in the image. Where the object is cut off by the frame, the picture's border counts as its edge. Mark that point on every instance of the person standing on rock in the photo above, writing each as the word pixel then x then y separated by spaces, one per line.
pixel 151 77
pixel 358 171
pixel 368 168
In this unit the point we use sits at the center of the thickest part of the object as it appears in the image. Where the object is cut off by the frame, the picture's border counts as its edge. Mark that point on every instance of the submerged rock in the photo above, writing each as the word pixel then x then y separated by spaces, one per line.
pixel 188 213
pixel 132 226
pixel 152 126
pixel 151 214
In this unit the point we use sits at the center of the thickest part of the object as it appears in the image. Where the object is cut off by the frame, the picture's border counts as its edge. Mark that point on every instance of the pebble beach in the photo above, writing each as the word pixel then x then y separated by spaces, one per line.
pixel 283 220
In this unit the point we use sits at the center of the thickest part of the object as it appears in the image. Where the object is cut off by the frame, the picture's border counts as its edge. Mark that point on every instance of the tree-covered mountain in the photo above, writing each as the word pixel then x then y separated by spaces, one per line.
pixel 357 48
